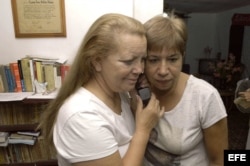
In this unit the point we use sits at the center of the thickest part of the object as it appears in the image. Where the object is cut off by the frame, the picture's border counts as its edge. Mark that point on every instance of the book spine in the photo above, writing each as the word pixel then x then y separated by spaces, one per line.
pixel 64 71
pixel 21 75
pixel 57 76
pixel 32 74
pixel 4 78
pixel 9 77
pixel 49 77
pixel 39 72
pixel 3 156
pixel 25 63
pixel 1 84
pixel 15 71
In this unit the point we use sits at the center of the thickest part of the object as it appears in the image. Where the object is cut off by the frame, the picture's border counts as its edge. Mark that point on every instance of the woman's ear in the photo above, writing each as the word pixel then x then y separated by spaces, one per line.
pixel 97 63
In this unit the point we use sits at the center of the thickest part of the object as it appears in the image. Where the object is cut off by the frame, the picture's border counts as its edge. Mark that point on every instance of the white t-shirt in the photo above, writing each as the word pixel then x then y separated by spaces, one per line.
pixel 87 129
pixel 178 140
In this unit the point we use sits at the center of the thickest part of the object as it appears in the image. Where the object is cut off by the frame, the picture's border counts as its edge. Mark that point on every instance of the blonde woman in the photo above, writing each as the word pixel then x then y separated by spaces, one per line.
pixel 90 120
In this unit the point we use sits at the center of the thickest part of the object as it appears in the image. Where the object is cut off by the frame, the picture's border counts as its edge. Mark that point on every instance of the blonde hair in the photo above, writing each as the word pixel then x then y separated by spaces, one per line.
pixel 101 39
pixel 166 31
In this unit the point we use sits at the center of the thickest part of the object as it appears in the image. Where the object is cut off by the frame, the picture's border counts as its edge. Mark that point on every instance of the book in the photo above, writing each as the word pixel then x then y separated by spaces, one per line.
pixel 4 144
pixel 48 60
pixel 64 71
pixel 1 85
pixel 26 156
pixel 57 76
pixel 32 73
pixel 15 138
pixel 49 77
pixel 21 75
pixel 15 71
pixel 3 156
pixel 39 72
pixel 20 136
pixel 10 79
pixel 4 78
pixel 31 133
pixel 3 136
pixel 25 65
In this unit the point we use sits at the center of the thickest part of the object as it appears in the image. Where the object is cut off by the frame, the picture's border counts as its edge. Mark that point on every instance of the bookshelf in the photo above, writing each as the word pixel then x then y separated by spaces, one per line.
pixel 23 114
pixel 26 87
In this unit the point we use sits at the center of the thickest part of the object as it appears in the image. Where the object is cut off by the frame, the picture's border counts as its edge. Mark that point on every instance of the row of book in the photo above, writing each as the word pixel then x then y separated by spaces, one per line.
pixel 24 148
pixel 4 139
pixel 17 113
pixel 32 74
pixel 20 137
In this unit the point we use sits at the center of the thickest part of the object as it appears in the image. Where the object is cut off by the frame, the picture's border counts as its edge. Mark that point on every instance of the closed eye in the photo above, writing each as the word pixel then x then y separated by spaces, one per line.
pixel 128 62
pixel 153 60
pixel 173 59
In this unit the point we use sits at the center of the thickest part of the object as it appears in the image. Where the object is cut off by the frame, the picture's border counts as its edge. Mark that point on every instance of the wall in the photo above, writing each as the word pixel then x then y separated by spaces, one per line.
pixel 204 29
pixel 80 14
pixel 212 30
pixel 201 33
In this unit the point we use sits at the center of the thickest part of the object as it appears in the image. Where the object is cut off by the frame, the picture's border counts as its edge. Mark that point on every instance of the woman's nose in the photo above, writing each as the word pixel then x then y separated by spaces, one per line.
pixel 139 67
pixel 163 68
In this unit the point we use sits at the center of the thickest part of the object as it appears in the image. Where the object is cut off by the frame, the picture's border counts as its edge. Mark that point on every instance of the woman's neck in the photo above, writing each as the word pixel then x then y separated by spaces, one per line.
pixel 171 97
pixel 105 94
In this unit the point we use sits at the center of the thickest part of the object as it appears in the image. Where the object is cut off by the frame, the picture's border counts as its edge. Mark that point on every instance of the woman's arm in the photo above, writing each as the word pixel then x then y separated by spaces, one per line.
pixel 216 141
pixel 134 155
pixel 113 159
pixel 146 119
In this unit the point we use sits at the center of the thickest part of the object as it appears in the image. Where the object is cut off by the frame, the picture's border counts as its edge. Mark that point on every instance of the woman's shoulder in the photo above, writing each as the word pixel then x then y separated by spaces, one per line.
pixel 79 98
pixel 82 101
pixel 197 86
pixel 200 83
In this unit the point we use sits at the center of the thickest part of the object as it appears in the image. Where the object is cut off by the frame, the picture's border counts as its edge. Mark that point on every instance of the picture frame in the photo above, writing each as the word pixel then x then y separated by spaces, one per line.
pixel 39 18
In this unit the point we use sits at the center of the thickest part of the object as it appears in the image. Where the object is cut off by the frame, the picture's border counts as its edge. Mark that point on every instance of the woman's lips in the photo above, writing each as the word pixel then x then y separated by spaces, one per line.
pixel 163 82
pixel 133 81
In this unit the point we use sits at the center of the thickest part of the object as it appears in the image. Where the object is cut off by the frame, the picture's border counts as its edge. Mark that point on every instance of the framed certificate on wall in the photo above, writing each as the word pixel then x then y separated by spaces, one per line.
pixel 39 18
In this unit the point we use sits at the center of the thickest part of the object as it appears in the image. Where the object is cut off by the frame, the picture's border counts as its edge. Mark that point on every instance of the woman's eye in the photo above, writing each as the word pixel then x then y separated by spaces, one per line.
pixel 173 59
pixel 129 62
pixel 153 60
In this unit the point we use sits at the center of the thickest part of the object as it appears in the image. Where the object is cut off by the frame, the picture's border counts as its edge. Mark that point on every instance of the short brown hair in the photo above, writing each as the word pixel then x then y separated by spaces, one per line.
pixel 166 31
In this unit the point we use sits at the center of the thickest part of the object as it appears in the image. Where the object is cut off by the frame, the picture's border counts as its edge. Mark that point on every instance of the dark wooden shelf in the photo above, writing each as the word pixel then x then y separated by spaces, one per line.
pixel 36 101
pixel 38 163
pixel 30 110
pixel 29 101
pixel 18 127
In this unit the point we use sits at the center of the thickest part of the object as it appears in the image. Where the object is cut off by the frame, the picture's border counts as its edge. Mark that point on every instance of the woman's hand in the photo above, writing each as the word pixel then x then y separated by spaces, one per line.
pixel 141 83
pixel 148 117
pixel 245 95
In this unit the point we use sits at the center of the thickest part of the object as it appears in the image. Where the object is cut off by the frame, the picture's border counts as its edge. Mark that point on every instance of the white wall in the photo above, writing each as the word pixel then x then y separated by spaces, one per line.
pixel 203 29
pixel 201 33
pixel 80 14
pixel 212 30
